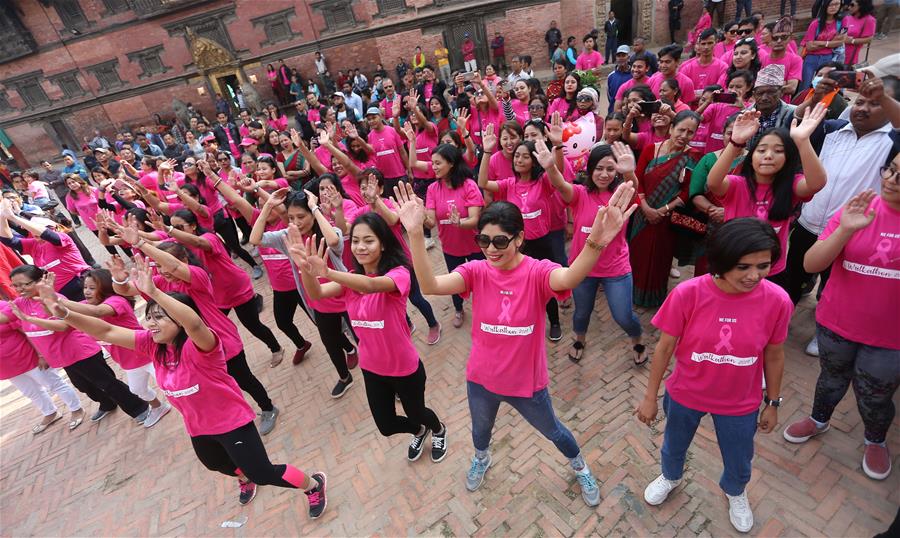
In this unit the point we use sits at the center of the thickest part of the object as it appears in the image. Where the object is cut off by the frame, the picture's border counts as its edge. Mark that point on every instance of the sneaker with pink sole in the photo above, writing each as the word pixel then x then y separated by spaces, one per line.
pixel 434 334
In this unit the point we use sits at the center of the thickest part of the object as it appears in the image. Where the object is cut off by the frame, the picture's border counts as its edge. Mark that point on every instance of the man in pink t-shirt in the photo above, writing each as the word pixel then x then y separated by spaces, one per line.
pixel 640 66
pixel 669 58
pixel 704 69
pixel 779 54
pixel 390 153
pixel 590 59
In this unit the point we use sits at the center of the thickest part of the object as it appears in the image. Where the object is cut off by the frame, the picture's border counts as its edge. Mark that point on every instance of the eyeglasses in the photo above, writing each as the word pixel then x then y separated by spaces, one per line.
pixel 584 98
pixel 500 242
pixel 890 173
pixel 535 107
pixel 190 163
pixel 781 37
pixel 23 285
pixel 732 31
pixel 745 31
pixel 224 160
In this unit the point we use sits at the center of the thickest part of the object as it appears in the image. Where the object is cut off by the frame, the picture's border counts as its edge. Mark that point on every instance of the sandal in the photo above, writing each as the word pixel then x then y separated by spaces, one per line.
pixel 640 349
pixel 579 352
pixel 38 428
pixel 75 422
pixel 277 357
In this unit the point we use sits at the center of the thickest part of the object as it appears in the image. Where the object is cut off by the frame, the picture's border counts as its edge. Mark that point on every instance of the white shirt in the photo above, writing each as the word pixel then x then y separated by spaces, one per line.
pixel 853 165
pixel 320 65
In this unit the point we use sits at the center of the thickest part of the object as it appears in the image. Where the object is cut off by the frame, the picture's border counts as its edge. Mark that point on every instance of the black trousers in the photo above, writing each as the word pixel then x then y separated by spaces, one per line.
pixel 380 391
pixel 85 253
pixel 241 449
pixel 109 248
pixel 74 289
pixel 330 327
pixel 239 369
pixel 97 380
pixel 248 315
pixel 224 226
pixel 284 305
pixel 541 248
pixel 801 240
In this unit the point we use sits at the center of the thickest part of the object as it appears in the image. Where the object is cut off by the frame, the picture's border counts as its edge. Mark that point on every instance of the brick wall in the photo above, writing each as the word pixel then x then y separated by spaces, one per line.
pixel 693 9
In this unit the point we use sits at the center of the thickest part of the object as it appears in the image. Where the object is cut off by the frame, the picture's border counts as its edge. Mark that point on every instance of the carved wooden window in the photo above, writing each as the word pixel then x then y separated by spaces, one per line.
pixel 338 14
pixel 68 83
pixel 115 6
pixel 390 7
pixel 32 93
pixel 70 13
pixel 107 74
pixel 5 107
pixel 276 26
pixel 150 61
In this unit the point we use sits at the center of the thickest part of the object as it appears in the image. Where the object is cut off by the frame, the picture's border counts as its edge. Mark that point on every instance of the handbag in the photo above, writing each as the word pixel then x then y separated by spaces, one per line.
pixel 686 220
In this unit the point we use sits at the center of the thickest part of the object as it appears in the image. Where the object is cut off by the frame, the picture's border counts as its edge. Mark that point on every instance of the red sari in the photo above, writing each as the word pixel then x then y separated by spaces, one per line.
pixel 661 179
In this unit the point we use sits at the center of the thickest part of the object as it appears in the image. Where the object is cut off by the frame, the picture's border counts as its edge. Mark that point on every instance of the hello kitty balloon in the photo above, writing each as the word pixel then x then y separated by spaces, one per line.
pixel 578 139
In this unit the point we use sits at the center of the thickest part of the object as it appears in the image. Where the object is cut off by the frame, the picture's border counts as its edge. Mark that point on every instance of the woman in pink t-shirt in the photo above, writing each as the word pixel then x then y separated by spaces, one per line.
pixel 519 103
pixel 740 83
pixel 854 316
pixel 860 25
pixel 190 369
pixel 607 166
pixel 32 375
pixel 744 57
pixel 783 170
pixel 508 360
pixel 724 48
pixel 101 301
pixel 670 90
pixel 375 294
pixel 302 213
pixel 82 201
pixel 726 331
pixel 822 38
pixel 566 103
pixel 63 347
pixel 530 190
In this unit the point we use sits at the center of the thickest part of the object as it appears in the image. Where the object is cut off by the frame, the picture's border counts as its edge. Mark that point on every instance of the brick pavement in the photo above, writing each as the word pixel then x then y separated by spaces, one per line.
pixel 116 479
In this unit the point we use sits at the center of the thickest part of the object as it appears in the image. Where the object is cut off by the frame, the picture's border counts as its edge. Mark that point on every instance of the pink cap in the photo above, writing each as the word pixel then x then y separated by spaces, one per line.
pixel 247 141
pixel 208 138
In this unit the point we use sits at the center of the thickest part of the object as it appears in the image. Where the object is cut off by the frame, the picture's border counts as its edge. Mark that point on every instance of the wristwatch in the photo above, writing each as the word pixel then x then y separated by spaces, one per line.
pixel 774 403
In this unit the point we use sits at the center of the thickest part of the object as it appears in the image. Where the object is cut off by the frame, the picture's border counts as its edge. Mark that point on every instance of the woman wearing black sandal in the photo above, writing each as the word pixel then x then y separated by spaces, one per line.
pixel 607 166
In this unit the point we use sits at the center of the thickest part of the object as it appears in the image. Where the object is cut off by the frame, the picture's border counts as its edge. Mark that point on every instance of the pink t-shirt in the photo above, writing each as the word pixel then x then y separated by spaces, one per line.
pixel 588 60
pixel 509 353
pixel 200 289
pixel 480 119
pixel 209 400
pixel 231 284
pixel 388 106
pixel 277 265
pixel 623 89
pixel 85 206
pixel 793 65
pixel 379 321
pixel 520 109
pixel 59 348
pixel 722 339
pixel 351 187
pixel 558 216
pixel 856 28
pixel 562 106
pixel 150 181
pixel 533 198
pixel 210 195
pixel 613 260
pixel 426 141
pixel 64 261
pixel 123 316
pixel 827 34
pixel 387 144
pixel 205 221
pixel 860 300
pixel 703 75
pixel 684 83
pixel 18 355
pixel 714 117
pixel 38 189
pixel 500 167
pixel 396 229
pixel 324 156
pixel 723 50
pixel 739 203
pixel 455 241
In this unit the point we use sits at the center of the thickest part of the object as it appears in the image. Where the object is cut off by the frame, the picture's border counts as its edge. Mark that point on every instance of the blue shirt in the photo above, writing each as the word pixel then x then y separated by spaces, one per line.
pixel 613 82
pixel 76 169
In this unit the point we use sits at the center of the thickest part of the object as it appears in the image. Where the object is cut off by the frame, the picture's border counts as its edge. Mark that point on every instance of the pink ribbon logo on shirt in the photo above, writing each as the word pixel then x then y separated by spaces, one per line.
pixel 505 305
pixel 762 211
pixel 881 252
pixel 724 340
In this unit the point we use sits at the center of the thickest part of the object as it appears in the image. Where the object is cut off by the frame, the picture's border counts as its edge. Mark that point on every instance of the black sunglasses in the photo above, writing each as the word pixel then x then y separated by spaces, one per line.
pixel 500 242
pixel 745 31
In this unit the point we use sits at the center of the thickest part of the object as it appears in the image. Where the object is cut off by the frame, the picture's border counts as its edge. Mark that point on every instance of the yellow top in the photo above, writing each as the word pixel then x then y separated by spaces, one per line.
pixel 442 54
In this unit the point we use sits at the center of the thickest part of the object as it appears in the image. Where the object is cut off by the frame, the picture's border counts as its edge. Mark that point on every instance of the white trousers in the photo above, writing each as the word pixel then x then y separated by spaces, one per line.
pixel 36 383
pixel 139 382
pixel 471 66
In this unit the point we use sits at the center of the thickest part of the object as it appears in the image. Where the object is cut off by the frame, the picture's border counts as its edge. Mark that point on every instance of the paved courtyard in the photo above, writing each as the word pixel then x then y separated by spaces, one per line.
pixel 118 479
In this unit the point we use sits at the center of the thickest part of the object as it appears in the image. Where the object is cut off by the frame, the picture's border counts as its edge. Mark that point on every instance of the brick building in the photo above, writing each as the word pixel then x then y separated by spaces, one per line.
pixel 70 66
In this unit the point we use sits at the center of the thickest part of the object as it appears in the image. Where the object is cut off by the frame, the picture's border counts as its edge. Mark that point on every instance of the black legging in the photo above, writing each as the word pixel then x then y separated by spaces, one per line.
pixel 109 248
pixel 380 391
pixel 74 289
pixel 95 378
pixel 243 449
pixel 541 248
pixel 796 276
pixel 248 315
pixel 224 226
pixel 330 326
pixel 284 305
pixel 85 252
pixel 240 371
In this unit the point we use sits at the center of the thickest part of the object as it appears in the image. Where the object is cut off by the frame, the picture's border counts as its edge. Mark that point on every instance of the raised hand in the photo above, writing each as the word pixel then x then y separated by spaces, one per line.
pixel 156 222
pixel 489 139
pixel 395 106
pixel 454 215
pixel 556 129
pixel 462 121
pixel 857 214
pixel 543 155
pixel 296 138
pixel 351 132
pixel 142 276
pixel 116 266
pixel 46 290
pixel 130 234
pixel 330 194
pixel 369 189
pixel 6 210
pixel 413 99
pixel 412 210
pixel 324 138
pixel 313 199
pixel 801 131
pixel 246 184
pixel 611 218
pixel 624 158
pixel 278 197
pixel 745 126
pixel 409 131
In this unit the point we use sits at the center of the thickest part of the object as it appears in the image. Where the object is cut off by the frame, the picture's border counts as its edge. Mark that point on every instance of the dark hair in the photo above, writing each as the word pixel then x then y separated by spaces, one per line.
pixel 729 121
pixel 783 182
pixel 573 102
pixel 536 168
pixel 823 15
pixel 538 124
pixel 586 37
pixel 749 20
pixel 534 87
pixel 748 77
pixel 192 189
pixel 504 214
pixel 181 252
pixel 673 84
pixel 562 62
pixel 674 51
pixel 459 170
pixel 865 7
pixel 707 33
pixel 686 115
pixel 445 108
pixel 729 25
pixel 735 239
pixel 452 133
pixel 162 350
pixel 713 88
pixel 755 63
pixel 141 215
pixel 189 217
pixel 269 160
pixel 392 254
pixel 33 272
pixel 511 125
pixel 299 199
pixel 598 154
pixel 617 116
pixel 103 280
pixel 316 184
pixel 645 91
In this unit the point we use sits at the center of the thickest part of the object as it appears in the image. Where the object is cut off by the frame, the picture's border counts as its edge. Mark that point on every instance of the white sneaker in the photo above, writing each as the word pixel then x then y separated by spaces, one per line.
pixel 429 243
pixel 674 273
pixel 659 489
pixel 739 512
pixel 157 413
pixel 812 348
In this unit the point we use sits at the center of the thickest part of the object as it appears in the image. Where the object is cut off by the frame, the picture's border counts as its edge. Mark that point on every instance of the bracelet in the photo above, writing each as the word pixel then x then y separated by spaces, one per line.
pixel 168 230
pixel 216 184
pixel 121 282
pixel 141 242
pixel 313 210
pixel 593 244
pixel 739 146
pixel 667 207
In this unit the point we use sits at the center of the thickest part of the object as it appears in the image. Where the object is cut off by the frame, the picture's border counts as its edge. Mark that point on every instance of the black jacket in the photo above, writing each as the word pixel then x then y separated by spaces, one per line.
pixel 222 137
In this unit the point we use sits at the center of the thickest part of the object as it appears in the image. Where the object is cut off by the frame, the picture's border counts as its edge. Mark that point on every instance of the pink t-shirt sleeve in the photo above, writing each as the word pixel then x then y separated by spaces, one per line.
pixel 671 317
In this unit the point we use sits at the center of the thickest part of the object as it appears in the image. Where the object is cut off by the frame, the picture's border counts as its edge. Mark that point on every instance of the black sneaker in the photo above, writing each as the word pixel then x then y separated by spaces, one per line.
pixel 316 497
pixel 248 492
pixel 439 445
pixel 416 446
pixel 341 387
pixel 258 301
pixel 100 415
pixel 555 333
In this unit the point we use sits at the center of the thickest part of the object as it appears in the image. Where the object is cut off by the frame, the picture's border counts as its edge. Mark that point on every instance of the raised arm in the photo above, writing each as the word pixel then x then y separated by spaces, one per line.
pixel 745 126
pixel 309 256
pixel 489 139
pixel 414 163
pixel 331 238
pixel 310 156
pixel 343 158
pixel 855 216
pixel 165 262
pixel 259 227
pixel 814 175
pixel 462 125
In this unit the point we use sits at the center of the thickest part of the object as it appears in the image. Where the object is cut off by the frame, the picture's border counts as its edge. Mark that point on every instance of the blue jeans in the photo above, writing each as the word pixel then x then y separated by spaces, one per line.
pixel 618 297
pixel 558 244
pixel 537 410
pixel 735 436
pixel 452 263
pixel 811 64
pixel 420 302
